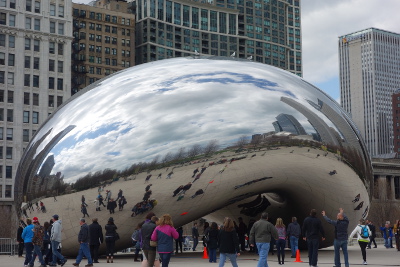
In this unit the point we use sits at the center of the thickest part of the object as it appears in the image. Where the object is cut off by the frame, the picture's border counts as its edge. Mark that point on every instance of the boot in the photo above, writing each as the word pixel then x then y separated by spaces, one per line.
pixel 283 259
pixel 279 259
pixel 108 261
pixel 136 257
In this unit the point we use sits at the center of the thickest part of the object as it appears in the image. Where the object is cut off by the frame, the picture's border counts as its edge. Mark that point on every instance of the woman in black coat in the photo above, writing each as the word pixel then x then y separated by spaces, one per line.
pixel 212 243
pixel 111 234
pixel 228 243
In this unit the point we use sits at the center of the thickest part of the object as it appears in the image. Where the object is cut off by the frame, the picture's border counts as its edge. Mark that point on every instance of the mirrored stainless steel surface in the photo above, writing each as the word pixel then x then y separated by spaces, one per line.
pixel 261 139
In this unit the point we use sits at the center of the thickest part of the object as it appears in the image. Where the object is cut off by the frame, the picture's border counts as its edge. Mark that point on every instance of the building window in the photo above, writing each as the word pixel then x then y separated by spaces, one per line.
pixel 37 7
pixel 28 23
pixel 107 18
pixel 26 117
pixel 8 176
pixel 52 10
pixel 61 49
pixel 114 30
pixel 11 20
pixel 98 38
pixel 1 114
pixel 51 64
pixel 59 101
pixel 27 99
pixel 60 66
pixel 1 138
pixel 61 11
pixel 98 16
pixel 27 44
pixel 52 27
pixel 37 24
pixel 11 41
pixel 9 134
pixel 98 27
pixel 51 101
pixel 51 82
pixel 25 135
pixel 35 117
pixel 10 79
pixel 2 74
pixel 52 47
pixel 28 5
pixel 35 81
pixel 27 80
pixel 11 59
pixel 36 45
pixel 98 59
pixel 60 83
pixel 10 115
pixel 114 62
pixel 98 71
pixel 35 99
pixel 60 28
pixel 114 19
pixel 36 62
pixel 9 153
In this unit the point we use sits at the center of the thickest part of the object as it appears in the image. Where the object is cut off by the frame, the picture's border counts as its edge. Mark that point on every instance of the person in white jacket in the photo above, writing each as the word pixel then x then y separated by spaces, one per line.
pixel 363 233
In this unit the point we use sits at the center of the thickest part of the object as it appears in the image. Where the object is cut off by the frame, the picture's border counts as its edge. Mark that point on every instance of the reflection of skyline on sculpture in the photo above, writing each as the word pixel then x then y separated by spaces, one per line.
pixel 166 118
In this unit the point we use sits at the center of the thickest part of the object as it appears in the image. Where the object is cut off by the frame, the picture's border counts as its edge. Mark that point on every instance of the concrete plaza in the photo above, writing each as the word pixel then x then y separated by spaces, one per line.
pixel 375 257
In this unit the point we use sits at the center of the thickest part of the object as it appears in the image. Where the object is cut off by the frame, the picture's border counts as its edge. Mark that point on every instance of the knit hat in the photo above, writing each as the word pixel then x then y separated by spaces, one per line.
pixel 35 219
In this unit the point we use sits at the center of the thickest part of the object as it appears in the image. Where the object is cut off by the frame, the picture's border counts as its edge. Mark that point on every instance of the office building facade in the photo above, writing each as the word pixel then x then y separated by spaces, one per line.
pixel 266 31
pixel 103 41
pixel 369 74
pixel 35 52
pixel 396 121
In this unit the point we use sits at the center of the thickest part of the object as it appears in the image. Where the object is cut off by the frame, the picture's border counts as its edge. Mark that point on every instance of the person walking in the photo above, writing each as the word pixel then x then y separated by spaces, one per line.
pixel 47 256
pixel 96 238
pixel 293 232
pixel 228 243
pixel 84 210
pixel 178 242
pixel 312 227
pixel 341 235
pixel 165 234
pixel 83 239
pixel 111 205
pixel 242 230
pixel 20 240
pixel 111 234
pixel 27 235
pixel 373 234
pixel 261 234
pixel 37 241
pixel 149 251
pixel 363 233
pixel 55 238
pixel 195 236
pixel 213 242
pixel 281 241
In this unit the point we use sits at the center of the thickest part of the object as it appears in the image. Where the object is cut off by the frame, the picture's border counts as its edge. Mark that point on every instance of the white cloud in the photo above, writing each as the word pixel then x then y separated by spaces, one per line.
pixel 324 21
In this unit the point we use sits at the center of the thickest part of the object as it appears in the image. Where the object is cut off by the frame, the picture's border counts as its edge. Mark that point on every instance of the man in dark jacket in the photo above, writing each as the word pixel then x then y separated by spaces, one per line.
pixel 20 240
pixel 372 228
pixel 83 239
pixel 195 236
pixel 312 226
pixel 293 232
pixel 96 238
pixel 341 236
pixel 241 231
pixel 149 251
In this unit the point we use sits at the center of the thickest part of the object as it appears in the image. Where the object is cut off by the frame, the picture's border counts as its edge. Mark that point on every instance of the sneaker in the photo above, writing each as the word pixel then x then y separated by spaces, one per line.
pixel 365 263
pixel 88 265
pixel 65 260
pixel 75 264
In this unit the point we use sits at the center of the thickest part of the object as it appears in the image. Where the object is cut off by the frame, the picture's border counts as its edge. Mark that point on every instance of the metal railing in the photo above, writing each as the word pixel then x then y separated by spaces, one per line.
pixel 7 246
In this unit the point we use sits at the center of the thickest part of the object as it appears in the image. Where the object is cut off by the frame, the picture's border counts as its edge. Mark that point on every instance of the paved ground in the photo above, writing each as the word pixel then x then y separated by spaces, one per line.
pixel 375 257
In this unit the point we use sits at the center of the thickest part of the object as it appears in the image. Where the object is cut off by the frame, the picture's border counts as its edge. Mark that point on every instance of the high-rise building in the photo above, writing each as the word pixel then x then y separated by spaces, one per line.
pixel 265 31
pixel 103 41
pixel 288 123
pixel 35 73
pixel 396 121
pixel 369 74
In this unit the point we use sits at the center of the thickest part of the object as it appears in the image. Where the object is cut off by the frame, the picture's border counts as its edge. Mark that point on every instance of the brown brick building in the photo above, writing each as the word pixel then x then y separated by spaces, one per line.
pixel 103 41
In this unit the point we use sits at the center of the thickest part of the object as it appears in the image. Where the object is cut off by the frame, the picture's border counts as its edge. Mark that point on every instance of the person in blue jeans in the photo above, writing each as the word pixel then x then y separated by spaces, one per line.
pixel 387 234
pixel 341 236
pixel 260 234
pixel 312 227
pixel 195 236
pixel 228 243
pixel 293 232
pixel 55 238
pixel 83 239
pixel 27 235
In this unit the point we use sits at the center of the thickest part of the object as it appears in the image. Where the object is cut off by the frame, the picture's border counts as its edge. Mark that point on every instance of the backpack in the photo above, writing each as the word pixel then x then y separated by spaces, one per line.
pixel 364 232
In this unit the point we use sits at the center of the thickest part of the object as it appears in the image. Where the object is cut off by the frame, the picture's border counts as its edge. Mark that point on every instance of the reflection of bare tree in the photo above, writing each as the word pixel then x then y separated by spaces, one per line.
pixel 168 157
pixel 242 141
pixel 211 148
pixel 180 154
pixel 195 150
pixel 256 141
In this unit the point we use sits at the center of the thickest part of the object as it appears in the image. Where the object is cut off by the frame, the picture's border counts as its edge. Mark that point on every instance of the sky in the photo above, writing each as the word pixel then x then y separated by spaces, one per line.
pixel 323 21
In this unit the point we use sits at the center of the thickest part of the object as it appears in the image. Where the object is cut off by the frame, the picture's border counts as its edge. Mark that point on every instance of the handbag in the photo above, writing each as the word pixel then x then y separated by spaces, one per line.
pixel 153 243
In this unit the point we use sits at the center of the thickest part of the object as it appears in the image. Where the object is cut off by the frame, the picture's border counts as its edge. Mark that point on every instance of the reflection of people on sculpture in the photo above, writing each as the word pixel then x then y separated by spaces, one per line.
pixel 197 177
pixel 121 203
pixel 223 169
pixel 148 178
pixel 159 176
pixel 83 201
pixel 198 192
pixel 176 191
pixel 252 182
pixel 119 194
pixel 184 189
pixel 195 171
pixel 143 206
pixel 203 169
pixel 147 195
pixel 356 199
pixel 148 187
pixel 100 197
pixel 42 207
pixel 108 195
pixel 84 210
pixel 110 239
pixel 169 175
pixel 359 205
pixel 111 205
pixel 333 172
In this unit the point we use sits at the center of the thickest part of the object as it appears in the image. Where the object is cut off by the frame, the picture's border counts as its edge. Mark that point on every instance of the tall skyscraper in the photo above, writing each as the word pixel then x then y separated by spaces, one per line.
pixel 396 121
pixel 265 31
pixel 369 74
pixel 103 41
pixel 288 123
pixel 35 73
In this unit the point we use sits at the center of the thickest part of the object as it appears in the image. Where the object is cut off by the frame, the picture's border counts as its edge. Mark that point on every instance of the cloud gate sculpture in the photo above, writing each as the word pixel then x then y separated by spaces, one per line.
pixel 240 137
